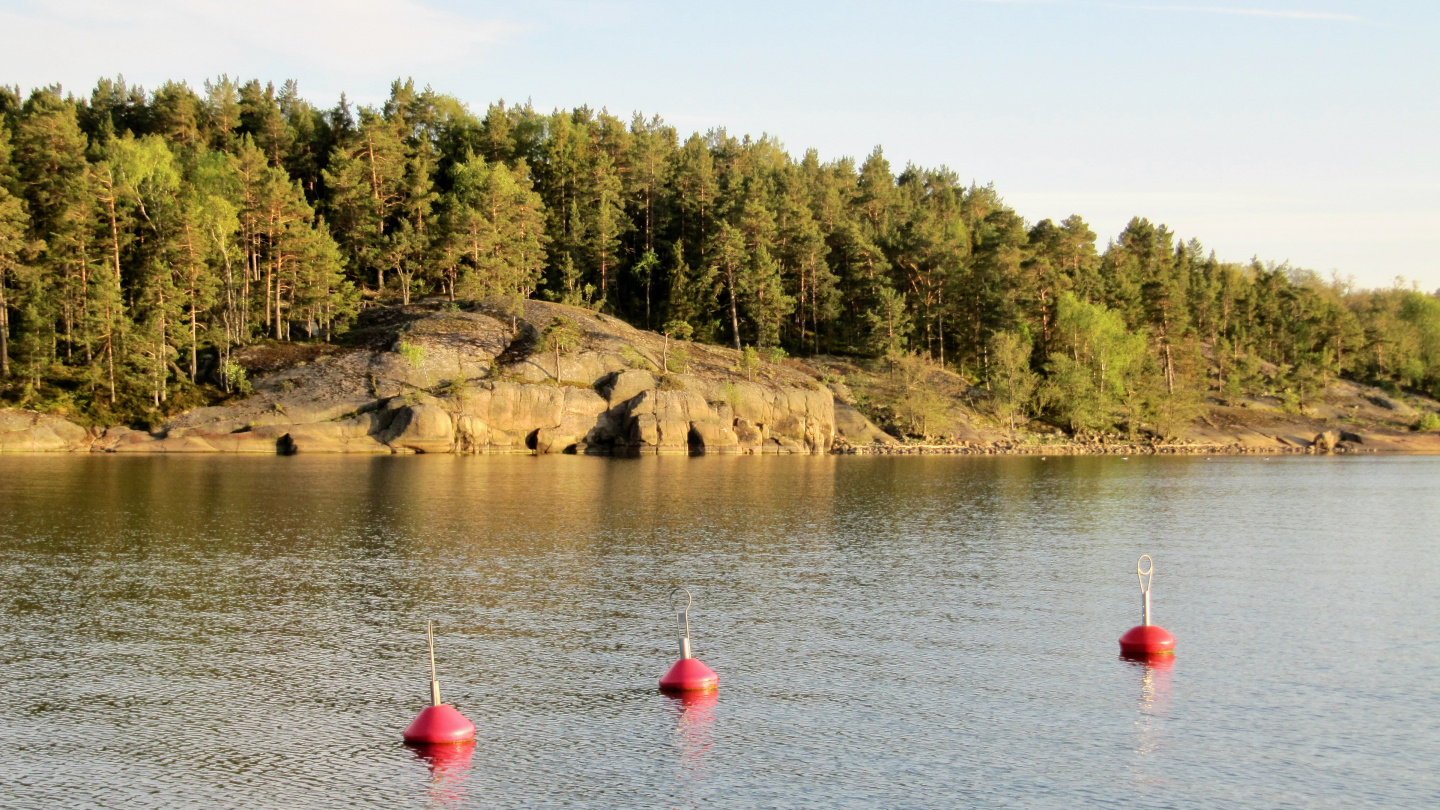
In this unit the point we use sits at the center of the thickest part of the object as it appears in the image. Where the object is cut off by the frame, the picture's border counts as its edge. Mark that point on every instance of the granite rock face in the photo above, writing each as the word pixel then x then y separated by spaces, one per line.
pixel 28 432
pixel 478 382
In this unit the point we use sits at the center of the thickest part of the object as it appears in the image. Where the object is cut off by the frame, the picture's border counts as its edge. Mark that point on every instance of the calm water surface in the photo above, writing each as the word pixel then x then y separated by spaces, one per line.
pixel 889 632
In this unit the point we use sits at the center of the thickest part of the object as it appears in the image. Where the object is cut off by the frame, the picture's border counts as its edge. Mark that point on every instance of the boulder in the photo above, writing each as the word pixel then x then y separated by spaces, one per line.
pixel 421 428
pixel 29 432
pixel 748 435
pixel 629 384
pixel 715 436
pixel 674 436
pixel 645 432
pixel 572 430
pixel 472 435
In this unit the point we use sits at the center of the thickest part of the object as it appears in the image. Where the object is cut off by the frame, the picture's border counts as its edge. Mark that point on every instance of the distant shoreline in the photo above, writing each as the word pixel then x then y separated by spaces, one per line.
pixel 1116 450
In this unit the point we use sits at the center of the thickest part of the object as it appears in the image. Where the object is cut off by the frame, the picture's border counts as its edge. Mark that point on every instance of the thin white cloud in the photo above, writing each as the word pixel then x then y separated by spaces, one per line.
pixel 357 38
pixel 1324 16
pixel 1249 12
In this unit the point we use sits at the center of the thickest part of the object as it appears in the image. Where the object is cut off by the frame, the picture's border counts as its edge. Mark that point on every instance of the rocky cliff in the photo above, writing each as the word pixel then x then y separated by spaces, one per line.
pixel 434 378
pixel 439 379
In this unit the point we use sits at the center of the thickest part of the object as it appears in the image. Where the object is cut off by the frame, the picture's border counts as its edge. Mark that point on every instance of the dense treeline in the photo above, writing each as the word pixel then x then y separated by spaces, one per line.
pixel 145 236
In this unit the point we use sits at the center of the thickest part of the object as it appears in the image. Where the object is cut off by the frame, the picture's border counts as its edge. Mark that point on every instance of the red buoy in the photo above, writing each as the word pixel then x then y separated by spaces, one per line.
pixel 689 673
pixel 438 722
pixel 1146 639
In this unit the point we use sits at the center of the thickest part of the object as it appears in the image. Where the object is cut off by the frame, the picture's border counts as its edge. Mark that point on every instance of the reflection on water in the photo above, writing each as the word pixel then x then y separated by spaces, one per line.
pixel 1153 709
pixel 695 713
pixel 890 632
pixel 449 771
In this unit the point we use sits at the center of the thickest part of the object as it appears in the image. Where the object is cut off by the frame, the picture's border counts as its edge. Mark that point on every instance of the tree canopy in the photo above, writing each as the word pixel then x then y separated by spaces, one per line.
pixel 145 236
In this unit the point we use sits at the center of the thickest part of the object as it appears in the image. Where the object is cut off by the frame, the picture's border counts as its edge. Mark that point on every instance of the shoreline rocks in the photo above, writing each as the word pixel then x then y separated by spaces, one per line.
pixel 436 379
pixel 479 385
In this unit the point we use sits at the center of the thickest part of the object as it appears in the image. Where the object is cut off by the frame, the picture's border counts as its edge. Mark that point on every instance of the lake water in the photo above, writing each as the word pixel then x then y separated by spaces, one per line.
pixel 889 632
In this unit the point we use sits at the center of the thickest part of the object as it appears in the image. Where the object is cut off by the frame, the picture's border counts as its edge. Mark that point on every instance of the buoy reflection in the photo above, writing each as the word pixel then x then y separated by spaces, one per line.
pixel 449 769
pixel 695 714
pixel 1151 660
pixel 1153 707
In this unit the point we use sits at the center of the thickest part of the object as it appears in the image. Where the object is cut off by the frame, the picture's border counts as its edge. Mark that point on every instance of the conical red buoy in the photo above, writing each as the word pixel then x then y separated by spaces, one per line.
pixel 689 673
pixel 438 722
pixel 1146 639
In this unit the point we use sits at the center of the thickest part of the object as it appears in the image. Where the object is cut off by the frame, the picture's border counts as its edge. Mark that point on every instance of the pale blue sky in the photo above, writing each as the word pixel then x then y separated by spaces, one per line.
pixel 1306 130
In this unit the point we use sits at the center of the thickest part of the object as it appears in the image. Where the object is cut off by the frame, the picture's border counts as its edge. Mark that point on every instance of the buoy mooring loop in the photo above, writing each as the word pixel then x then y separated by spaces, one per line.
pixel 684 621
pixel 438 722
pixel 1146 575
pixel 689 673
pixel 1146 639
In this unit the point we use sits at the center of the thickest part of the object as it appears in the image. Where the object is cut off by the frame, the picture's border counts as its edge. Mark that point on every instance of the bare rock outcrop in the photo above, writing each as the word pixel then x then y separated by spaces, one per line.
pixel 448 381
pixel 30 432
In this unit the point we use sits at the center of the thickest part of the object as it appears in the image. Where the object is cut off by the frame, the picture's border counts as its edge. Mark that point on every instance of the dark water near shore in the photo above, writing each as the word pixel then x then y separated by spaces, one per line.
pixel 889 632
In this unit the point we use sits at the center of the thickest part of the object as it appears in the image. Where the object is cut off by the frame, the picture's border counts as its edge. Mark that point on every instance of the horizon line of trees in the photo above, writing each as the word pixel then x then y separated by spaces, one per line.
pixel 146 236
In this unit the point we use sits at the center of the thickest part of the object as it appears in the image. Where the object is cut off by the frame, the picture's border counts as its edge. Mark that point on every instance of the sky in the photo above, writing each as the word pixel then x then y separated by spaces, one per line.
pixel 1305 131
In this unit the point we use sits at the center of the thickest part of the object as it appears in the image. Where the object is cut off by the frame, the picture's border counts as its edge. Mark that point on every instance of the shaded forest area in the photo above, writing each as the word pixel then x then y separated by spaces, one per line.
pixel 145 237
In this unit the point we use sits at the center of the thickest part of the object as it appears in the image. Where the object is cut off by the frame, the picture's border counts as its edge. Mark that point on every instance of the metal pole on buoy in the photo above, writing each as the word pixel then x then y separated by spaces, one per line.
pixel 435 684
pixel 438 722
pixel 1146 639
pixel 689 673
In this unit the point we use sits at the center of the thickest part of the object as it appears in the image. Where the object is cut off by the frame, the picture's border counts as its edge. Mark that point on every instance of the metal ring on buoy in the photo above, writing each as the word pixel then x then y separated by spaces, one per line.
pixel 689 673
pixel 1146 639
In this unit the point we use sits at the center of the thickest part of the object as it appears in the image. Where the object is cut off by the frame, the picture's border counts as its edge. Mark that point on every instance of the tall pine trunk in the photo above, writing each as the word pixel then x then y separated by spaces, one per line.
pixel 4 329
pixel 734 305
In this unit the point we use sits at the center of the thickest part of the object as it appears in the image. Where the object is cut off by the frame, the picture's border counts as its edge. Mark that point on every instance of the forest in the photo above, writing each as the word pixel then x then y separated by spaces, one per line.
pixel 145 237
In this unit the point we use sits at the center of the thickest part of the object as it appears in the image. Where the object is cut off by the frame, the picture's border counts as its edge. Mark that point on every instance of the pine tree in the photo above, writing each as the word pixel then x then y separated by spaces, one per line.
pixel 15 245
pixel 366 181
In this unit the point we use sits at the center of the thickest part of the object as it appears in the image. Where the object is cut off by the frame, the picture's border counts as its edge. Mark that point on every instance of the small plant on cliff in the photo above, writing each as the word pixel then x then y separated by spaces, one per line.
pixel 635 359
pixel 749 361
pixel 233 376
pixel 776 355
pixel 1428 422
pixel 732 395
pixel 456 389
pixel 415 356
pixel 679 359
pixel 680 330
pixel 561 336
pixel 514 306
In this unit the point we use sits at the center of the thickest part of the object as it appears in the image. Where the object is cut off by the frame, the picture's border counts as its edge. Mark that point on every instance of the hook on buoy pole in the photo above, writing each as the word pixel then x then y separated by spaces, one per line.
pixel 684 622
pixel 1146 575
pixel 689 673
pixel 434 683
pixel 1146 639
